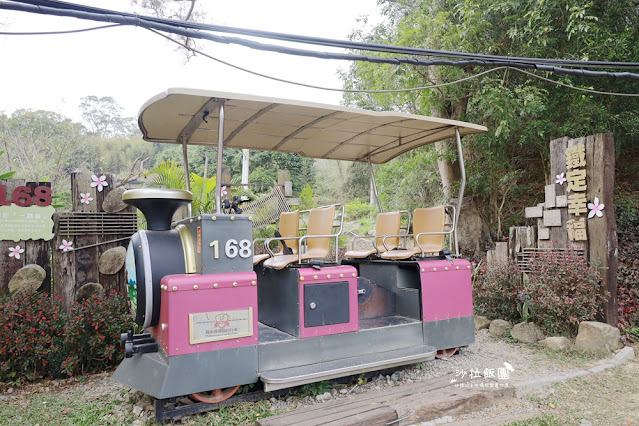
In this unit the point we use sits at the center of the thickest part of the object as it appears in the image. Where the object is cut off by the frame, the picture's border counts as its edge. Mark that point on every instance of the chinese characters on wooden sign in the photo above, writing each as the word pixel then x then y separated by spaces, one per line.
pixel 577 203
pixel 574 184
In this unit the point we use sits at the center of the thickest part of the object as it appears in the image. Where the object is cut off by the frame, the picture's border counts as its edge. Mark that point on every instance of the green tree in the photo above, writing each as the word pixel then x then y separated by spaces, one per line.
pixel 104 119
pixel 6 175
pixel 521 112
pixel 171 175
pixel 41 145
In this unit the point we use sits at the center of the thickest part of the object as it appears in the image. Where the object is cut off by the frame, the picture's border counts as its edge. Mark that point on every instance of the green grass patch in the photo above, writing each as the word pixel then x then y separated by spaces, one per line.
pixel 541 420
pixel 244 413
pixel 50 408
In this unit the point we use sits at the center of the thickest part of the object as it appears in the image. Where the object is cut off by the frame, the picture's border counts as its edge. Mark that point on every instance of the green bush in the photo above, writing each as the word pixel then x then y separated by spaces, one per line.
pixel 359 210
pixel 495 291
pixel 40 339
pixel 308 200
pixel 627 212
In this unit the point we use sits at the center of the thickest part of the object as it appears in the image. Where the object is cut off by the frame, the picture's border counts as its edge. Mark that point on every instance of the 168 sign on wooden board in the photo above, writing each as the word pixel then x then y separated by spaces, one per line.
pixel 26 213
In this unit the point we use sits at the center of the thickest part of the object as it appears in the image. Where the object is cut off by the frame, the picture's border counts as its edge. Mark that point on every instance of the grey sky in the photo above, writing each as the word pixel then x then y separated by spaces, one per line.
pixel 54 72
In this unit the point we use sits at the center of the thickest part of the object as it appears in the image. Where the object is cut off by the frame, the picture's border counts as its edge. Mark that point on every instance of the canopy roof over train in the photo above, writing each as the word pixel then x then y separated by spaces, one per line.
pixel 270 124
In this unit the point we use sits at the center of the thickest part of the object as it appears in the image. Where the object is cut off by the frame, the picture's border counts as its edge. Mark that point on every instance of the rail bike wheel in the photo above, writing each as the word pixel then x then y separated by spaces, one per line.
pixel 215 396
pixel 446 353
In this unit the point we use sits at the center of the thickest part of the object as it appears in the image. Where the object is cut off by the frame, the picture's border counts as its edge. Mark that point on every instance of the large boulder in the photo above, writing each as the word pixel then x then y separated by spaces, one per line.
pixel 88 290
pixel 481 322
pixel 113 201
pixel 556 343
pixel 112 261
pixel 499 327
pixel 472 229
pixel 27 280
pixel 598 338
pixel 527 332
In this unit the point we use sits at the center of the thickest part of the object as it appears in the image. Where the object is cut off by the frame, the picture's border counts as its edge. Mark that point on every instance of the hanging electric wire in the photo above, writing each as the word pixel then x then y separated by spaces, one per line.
pixel 409 89
pixel 80 30
pixel 186 29
pixel 320 41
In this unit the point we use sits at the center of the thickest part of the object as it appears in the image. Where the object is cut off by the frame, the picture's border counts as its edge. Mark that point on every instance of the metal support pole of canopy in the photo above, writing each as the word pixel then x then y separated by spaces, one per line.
pixel 370 166
pixel 187 175
pixel 220 146
pixel 462 185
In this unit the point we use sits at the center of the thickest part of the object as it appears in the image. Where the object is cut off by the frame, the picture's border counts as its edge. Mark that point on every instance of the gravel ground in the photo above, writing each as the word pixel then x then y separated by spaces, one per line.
pixel 487 353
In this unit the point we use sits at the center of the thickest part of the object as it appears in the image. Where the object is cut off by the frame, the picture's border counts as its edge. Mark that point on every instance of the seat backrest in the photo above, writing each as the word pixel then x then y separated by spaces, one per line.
pixel 290 227
pixel 320 222
pixel 429 220
pixel 387 224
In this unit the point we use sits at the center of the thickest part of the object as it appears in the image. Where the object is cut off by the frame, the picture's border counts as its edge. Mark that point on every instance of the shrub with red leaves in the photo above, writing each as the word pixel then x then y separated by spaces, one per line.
pixel 93 332
pixel 627 212
pixel 40 339
pixel 495 291
pixel 31 336
pixel 562 291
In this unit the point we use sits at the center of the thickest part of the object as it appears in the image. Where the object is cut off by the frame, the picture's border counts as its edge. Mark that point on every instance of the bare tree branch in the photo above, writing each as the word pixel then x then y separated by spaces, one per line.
pixel 133 175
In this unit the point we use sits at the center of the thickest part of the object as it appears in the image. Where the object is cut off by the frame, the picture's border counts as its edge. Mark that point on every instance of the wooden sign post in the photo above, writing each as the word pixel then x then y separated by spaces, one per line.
pixel 578 211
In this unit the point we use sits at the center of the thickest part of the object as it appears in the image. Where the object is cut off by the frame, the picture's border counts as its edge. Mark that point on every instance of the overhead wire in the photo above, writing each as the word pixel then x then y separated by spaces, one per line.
pixel 409 89
pixel 345 44
pixel 185 28
pixel 81 30
pixel 282 80
pixel 582 89
pixel 180 27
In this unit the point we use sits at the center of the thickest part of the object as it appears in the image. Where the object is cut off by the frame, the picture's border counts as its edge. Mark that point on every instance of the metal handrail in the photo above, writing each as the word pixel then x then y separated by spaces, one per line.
pixel 304 237
pixel 374 242
pixel 449 232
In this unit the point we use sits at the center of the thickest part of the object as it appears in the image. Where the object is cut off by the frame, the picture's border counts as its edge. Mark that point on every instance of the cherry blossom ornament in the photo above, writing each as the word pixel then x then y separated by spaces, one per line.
pixel 99 182
pixel 560 179
pixel 66 245
pixel 595 209
pixel 85 198
pixel 15 252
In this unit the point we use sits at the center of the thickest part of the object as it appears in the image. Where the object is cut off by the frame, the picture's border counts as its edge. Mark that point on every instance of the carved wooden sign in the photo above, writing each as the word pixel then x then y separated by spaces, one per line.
pixel 578 208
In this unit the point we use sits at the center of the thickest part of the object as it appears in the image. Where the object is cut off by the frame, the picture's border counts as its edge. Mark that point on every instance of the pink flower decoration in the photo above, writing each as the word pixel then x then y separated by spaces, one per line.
pixel 15 252
pixel 66 245
pixel 85 198
pixel 99 182
pixel 595 209
pixel 560 179
pixel 223 191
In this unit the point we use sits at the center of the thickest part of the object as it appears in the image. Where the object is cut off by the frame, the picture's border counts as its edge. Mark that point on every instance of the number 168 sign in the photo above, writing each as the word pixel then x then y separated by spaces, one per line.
pixel 23 196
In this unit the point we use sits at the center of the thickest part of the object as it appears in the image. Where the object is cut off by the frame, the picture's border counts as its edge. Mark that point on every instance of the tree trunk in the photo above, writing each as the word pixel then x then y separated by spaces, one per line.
pixel 449 169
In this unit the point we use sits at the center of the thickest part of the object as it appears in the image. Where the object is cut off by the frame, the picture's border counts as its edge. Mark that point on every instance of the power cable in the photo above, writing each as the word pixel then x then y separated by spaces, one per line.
pixel 575 87
pixel 60 32
pixel 410 89
pixel 375 47
pixel 434 86
pixel 181 27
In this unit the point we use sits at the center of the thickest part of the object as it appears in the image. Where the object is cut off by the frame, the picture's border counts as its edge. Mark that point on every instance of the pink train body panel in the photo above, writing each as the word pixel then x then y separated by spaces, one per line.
pixel 446 289
pixel 310 276
pixel 220 313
